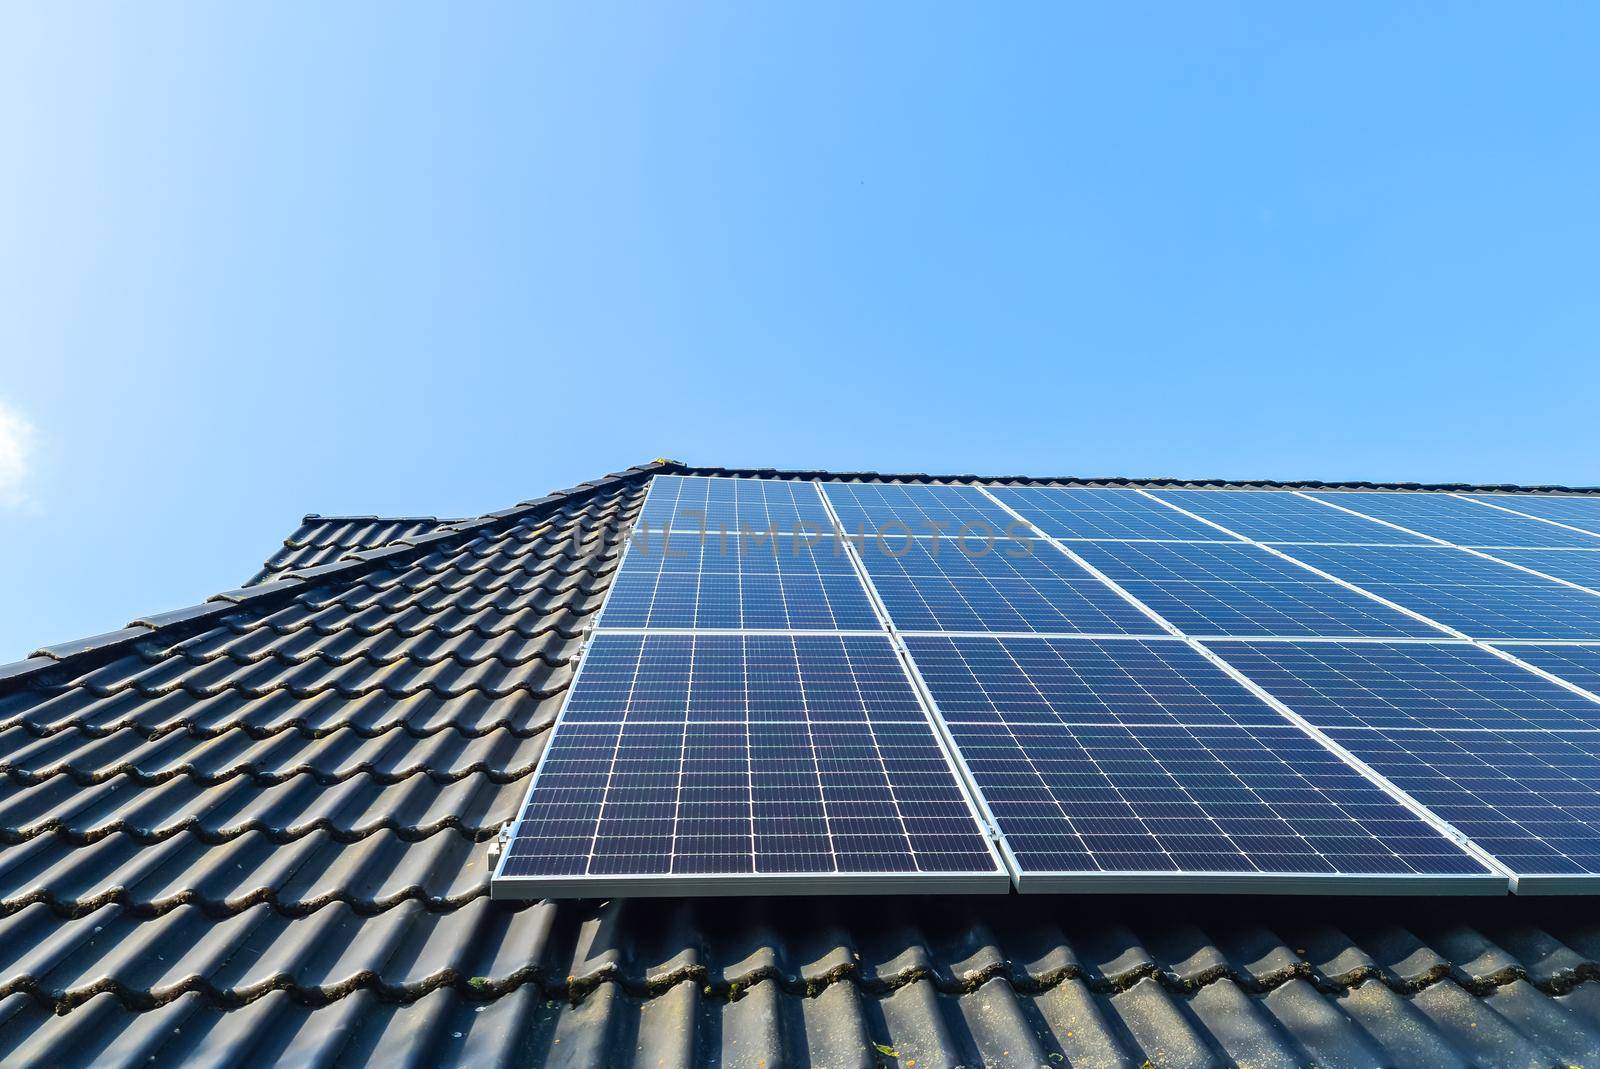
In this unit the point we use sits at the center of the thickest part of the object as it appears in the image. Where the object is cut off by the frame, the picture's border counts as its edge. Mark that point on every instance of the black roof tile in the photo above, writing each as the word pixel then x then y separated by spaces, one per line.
pixel 255 831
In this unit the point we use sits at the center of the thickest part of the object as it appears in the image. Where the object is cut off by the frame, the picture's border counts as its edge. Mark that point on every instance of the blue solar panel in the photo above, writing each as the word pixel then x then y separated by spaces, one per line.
pixel 1574 565
pixel 892 511
pixel 1480 598
pixel 1237 589
pixel 1581 512
pixel 1454 519
pixel 1578 665
pixel 1136 758
pixel 696 503
pixel 782 583
pixel 1280 516
pixel 1408 685
pixel 727 756
pixel 941 586
pixel 1532 799
pixel 1131 682
pixel 1069 513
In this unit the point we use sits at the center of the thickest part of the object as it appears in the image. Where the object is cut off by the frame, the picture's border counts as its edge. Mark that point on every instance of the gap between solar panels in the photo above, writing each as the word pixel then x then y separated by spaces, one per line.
pixel 764 706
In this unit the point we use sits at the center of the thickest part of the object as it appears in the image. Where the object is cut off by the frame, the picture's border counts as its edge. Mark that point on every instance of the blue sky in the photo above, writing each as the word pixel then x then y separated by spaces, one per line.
pixel 273 259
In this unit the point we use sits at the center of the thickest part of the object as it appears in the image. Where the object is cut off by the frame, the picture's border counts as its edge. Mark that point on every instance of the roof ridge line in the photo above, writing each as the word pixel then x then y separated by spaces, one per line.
pixel 192 619
pixel 1124 480
pixel 317 517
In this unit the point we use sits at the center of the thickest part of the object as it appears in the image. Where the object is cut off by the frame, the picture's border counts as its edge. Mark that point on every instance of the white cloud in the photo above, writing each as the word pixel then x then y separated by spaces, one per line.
pixel 16 458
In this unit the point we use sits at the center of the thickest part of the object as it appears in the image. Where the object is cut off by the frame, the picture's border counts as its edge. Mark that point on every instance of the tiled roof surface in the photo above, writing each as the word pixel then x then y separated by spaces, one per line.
pixel 322 540
pixel 255 832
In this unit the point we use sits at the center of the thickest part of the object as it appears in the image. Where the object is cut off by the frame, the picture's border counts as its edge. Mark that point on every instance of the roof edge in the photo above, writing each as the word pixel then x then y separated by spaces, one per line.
pixel 180 623
pixel 1121 480
pixel 317 517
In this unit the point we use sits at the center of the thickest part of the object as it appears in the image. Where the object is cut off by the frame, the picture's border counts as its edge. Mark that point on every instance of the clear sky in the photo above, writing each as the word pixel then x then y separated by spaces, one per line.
pixel 262 260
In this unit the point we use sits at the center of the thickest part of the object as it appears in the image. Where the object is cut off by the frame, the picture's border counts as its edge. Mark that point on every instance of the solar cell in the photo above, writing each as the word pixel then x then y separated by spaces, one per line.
pixel 782 582
pixel 1447 685
pixel 722 763
pixel 696 503
pixel 1532 799
pixel 1454 519
pixel 1574 565
pixel 1478 597
pixel 1140 765
pixel 1240 589
pixel 896 510
pixel 1578 511
pixel 941 586
pixel 1070 513
pixel 1280 516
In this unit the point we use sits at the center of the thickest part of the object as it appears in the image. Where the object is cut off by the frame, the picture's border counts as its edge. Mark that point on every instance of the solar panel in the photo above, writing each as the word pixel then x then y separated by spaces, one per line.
pixel 1385 686
pixel 782 582
pixel 1238 589
pixel 1579 566
pixel 1128 682
pixel 943 586
pixel 1454 519
pixel 1068 513
pixel 1118 765
pixel 894 511
pixel 742 763
pixel 696 503
pixel 1581 512
pixel 1478 597
pixel 1532 799
pixel 1280 516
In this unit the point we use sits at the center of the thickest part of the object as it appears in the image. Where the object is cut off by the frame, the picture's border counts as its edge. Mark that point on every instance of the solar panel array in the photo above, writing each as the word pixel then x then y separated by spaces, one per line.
pixel 841 686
